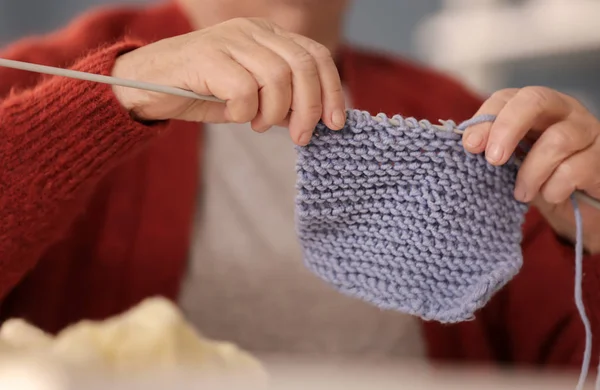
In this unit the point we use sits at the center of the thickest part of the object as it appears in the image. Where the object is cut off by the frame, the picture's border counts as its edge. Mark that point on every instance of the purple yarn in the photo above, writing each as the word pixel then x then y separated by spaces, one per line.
pixel 403 217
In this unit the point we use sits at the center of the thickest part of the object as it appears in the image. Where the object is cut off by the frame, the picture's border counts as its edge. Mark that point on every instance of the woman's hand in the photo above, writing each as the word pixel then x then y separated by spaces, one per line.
pixel 565 155
pixel 265 75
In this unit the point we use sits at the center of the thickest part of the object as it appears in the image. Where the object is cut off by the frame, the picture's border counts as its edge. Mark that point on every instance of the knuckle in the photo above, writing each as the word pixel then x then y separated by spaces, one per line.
pixel 589 129
pixel 336 90
pixel 253 23
pixel 537 97
pixel 537 92
pixel 263 23
pixel 320 52
pixel 314 110
pixel 245 90
pixel 279 74
pixel 594 185
pixel 552 196
pixel 565 171
pixel 303 61
pixel 560 139
pixel 556 193
pixel 310 115
pixel 242 22
pixel 504 95
pixel 274 117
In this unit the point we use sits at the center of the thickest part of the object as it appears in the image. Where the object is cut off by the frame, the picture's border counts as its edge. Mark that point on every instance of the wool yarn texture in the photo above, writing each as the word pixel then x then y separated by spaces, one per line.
pixel 403 217
pixel 397 213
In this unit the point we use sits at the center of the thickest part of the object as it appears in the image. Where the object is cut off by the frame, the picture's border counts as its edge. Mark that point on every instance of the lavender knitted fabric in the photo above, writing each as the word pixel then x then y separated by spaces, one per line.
pixel 403 217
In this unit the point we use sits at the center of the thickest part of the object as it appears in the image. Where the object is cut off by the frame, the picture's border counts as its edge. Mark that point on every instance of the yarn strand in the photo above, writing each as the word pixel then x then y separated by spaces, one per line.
pixel 587 353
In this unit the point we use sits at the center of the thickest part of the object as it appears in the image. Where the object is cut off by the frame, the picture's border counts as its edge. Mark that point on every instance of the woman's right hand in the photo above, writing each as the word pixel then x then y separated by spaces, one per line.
pixel 265 75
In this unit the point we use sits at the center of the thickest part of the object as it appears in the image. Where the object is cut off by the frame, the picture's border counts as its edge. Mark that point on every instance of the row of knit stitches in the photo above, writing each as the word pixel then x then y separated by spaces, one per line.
pixel 398 214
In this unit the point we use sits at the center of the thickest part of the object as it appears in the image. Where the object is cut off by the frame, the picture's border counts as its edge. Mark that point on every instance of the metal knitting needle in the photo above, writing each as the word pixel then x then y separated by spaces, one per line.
pixel 104 79
pixel 51 70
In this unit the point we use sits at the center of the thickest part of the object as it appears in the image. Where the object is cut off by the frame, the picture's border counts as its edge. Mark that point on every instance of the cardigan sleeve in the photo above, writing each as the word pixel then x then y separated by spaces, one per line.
pixel 58 138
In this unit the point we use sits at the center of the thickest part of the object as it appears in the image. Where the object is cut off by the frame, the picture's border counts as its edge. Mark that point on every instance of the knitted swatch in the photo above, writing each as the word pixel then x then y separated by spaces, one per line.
pixel 403 217
pixel 400 215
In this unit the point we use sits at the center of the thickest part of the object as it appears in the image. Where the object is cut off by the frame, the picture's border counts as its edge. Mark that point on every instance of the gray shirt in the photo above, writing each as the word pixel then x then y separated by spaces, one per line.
pixel 246 281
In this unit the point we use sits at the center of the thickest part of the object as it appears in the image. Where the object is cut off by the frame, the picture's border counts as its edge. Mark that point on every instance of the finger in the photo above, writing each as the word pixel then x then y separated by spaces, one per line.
pixel 286 121
pixel 559 216
pixel 531 108
pixel 576 172
pixel 231 82
pixel 274 78
pixel 307 107
pixel 332 92
pixel 475 137
pixel 548 154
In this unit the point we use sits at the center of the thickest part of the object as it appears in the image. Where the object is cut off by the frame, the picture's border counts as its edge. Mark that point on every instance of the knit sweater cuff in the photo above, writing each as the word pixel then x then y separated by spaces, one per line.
pixel 64 131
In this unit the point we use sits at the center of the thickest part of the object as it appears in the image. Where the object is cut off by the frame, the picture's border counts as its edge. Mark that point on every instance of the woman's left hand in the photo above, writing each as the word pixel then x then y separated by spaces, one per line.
pixel 565 155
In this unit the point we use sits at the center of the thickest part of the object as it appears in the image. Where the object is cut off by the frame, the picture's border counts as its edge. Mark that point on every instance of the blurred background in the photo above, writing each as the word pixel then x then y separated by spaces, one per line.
pixel 488 44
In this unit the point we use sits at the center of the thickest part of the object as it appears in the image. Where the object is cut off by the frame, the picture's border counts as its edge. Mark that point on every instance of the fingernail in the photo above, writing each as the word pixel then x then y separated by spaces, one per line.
pixel 305 139
pixel 520 193
pixel 339 118
pixel 474 140
pixel 263 129
pixel 494 153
